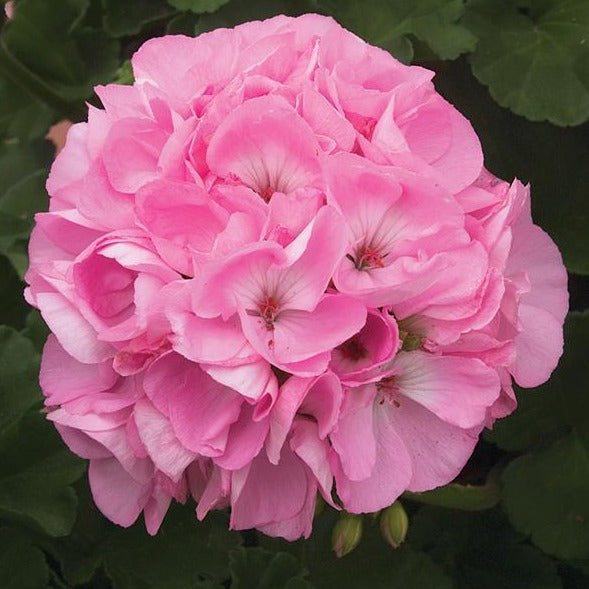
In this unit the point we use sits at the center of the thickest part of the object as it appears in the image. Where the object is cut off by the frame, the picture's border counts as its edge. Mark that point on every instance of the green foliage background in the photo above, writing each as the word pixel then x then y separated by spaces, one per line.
pixel 518 516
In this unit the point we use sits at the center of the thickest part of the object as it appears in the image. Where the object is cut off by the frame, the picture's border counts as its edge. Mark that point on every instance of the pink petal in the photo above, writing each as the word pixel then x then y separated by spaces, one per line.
pixel 294 335
pixel 438 450
pixel 354 438
pixel 389 476
pixel 245 440
pixel 211 340
pixel 181 213
pixel 325 120
pixel 63 378
pixel 156 509
pixel 253 380
pixel 285 491
pixel 200 410
pixel 307 445
pixel 157 435
pixel 74 333
pixel 543 308
pixel 115 492
pixel 267 146
pixel 318 397
pixel 457 390
pixel 131 153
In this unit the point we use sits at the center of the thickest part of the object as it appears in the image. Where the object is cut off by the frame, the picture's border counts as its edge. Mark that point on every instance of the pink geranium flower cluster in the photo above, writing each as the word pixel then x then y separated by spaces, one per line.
pixel 274 267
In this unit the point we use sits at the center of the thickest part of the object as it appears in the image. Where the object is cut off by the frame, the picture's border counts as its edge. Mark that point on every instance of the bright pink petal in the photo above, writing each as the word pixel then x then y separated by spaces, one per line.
pixel 298 335
pixel 267 146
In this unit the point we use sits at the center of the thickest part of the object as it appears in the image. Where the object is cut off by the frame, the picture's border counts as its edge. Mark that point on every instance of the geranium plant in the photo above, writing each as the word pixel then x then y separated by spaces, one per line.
pixel 284 290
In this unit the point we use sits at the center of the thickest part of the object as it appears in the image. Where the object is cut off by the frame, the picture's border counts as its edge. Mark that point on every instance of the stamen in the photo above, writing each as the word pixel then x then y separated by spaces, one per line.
pixel 388 391
pixel 369 257
pixel 269 311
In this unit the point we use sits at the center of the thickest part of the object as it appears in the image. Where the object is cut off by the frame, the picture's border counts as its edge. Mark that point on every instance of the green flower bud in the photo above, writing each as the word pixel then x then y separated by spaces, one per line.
pixel 346 534
pixel 394 524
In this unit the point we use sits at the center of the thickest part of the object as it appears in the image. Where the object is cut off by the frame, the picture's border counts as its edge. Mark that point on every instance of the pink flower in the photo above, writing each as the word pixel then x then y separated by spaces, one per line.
pixel 275 267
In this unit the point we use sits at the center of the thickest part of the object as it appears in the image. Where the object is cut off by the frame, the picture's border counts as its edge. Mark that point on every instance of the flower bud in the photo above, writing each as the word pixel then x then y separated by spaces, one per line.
pixel 394 524
pixel 346 534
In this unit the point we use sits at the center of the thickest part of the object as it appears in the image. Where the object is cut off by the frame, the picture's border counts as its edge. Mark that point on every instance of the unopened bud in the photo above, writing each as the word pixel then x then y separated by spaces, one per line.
pixel 346 534
pixel 394 524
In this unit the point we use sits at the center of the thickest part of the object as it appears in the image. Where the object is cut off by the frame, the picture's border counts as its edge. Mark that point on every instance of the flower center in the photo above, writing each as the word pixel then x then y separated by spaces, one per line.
pixel 353 349
pixel 368 257
pixel 269 311
pixel 388 392
pixel 267 193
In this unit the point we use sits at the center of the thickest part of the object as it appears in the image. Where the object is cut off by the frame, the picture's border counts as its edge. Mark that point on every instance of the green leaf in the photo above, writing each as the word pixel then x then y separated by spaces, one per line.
pixel 550 158
pixel 386 22
pixel 19 363
pixel 372 565
pixel 465 497
pixel 552 409
pixel 23 171
pixel 18 160
pixel 21 114
pixel 258 568
pixel 26 197
pixel 239 11
pixel 128 17
pixel 481 550
pixel 81 552
pixel 546 495
pixel 183 24
pixel 50 52
pixel 13 308
pixel 36 329
pixel 22 566
pixel 183 551
pixel 198 6
pixel 124 74
pixel 534 57
pixel 34 481
pixel 574 578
